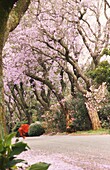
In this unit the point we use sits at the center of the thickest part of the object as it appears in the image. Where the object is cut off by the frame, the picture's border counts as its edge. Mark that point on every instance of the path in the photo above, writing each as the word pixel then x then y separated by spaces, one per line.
pixel 66 152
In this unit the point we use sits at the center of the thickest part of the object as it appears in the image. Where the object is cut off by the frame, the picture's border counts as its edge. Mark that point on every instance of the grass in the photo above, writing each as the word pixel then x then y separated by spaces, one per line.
pixel 93 132
pixel 101 131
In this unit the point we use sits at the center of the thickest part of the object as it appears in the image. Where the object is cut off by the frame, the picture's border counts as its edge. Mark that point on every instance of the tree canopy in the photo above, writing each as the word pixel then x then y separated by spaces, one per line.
pixel 101 74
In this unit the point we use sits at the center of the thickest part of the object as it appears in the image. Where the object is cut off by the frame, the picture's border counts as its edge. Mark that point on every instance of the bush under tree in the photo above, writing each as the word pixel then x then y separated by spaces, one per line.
pixel 36 129
pixel 80 114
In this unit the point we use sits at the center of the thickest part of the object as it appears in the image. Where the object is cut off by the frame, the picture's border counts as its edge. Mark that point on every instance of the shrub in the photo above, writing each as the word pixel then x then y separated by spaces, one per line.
pixel 104 115
pixel 55 121
pixel 36 129
pixel 80 114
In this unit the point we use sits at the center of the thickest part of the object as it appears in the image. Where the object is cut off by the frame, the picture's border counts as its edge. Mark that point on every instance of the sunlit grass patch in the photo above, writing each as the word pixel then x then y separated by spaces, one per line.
pixel 94 132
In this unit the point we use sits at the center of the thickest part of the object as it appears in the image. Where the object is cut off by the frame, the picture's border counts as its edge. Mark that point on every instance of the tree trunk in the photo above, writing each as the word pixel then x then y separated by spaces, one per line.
pixel 2 33
pixel 2 116
pixel 95 100
pixel 5 8
pixel 92 111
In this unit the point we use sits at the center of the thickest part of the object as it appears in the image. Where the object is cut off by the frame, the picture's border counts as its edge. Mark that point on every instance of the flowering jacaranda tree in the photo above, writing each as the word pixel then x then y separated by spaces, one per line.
pixel 10 14
pixel 55 43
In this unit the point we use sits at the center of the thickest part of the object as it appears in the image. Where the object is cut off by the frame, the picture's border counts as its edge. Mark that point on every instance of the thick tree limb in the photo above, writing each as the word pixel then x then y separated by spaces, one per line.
pixel 15 15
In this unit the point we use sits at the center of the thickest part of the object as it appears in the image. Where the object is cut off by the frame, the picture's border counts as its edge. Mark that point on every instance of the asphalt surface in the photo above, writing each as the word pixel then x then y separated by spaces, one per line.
pixel 67 152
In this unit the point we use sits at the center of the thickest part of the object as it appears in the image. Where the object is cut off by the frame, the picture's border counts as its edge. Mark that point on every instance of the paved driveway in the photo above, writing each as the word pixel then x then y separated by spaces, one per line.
pixel 66 152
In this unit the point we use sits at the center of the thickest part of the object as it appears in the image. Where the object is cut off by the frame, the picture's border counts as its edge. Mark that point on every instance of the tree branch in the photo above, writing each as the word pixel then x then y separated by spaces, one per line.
pixel 15 15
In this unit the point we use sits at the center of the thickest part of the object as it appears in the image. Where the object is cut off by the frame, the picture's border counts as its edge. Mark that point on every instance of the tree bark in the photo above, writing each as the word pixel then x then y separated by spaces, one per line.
pixel 15 15
pixel 2 115
pixel 3 20
pixel 92 111
pixel 94 101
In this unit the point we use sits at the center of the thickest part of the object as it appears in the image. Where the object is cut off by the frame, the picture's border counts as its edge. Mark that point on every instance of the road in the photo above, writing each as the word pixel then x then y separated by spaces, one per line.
pixel 67 152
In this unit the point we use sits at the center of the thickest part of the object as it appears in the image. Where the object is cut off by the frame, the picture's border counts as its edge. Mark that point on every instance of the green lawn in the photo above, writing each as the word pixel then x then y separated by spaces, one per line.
pixel 93 132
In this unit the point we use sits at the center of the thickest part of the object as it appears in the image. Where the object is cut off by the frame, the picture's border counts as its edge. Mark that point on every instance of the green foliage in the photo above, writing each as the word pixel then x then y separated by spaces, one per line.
pixel 55 121
pixel 36 129
pixel 39 166
pixel 101 74
pixel 104 115
pixel 106 51
pixel 9 151
pixel 101 131
pixel 79 113
pixel 59 121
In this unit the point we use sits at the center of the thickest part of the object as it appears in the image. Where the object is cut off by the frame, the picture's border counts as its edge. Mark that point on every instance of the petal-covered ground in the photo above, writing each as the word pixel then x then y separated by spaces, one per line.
pixel 60 162
pixel 69 152
pixel 57 161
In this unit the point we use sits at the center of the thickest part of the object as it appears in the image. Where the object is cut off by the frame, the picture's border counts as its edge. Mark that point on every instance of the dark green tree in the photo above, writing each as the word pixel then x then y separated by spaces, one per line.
pixel 101 74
